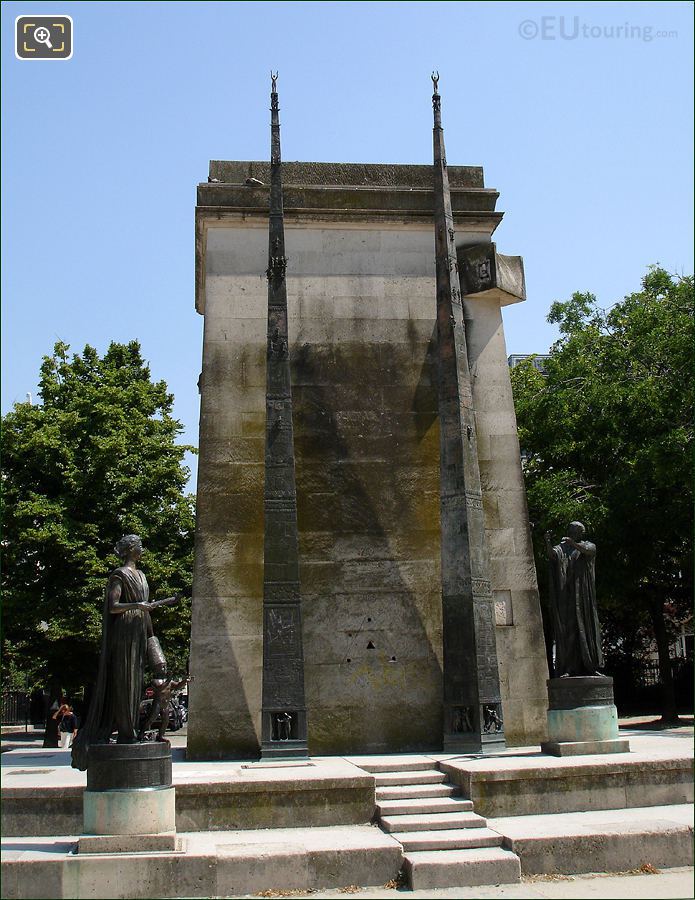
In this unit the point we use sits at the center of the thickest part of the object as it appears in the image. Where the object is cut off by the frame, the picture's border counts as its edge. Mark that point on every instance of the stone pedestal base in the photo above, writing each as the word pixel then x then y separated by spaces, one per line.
pixel 284 750
pixel 129 804
pixel 473 744
pixel 582 718
pixel 582 748
pixel 129 843
pixel 143 811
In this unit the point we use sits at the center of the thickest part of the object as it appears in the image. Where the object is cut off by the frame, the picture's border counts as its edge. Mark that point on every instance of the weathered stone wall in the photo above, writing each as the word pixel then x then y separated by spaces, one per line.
pixel 366 444
pixel 361 303
pixel 520 645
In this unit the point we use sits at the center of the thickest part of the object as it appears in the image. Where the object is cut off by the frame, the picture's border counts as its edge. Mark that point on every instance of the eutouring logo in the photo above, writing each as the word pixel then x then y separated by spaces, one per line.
pixel 571 28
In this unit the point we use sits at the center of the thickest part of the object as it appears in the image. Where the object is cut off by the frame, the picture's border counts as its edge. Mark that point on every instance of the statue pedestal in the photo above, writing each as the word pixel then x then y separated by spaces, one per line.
pixel 129 803
pixel 582 717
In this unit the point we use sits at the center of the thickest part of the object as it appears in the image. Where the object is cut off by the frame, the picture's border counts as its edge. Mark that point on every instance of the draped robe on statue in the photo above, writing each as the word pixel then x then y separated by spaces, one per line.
pixel 575 616
pixel 118 691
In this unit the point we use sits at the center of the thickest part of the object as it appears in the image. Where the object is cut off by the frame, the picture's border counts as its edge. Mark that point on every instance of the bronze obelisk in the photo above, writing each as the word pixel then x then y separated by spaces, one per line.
pixel 472 703
pixel 284 721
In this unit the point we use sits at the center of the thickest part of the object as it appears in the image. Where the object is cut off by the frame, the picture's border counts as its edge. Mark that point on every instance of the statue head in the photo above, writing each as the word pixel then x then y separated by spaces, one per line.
pixel 129 544
pixel 576 531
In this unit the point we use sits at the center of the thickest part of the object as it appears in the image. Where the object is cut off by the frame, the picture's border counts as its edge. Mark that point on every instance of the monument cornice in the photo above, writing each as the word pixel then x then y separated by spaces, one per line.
pixel 340 199
pixel 338 195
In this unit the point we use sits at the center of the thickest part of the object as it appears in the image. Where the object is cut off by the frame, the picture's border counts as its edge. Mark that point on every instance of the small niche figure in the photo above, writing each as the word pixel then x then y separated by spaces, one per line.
pixel 162 687
pixel 283 726
pixel 462 720
pixel 492 720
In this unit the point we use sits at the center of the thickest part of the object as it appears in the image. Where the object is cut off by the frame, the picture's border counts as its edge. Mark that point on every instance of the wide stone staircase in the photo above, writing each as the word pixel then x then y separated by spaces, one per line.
pixel 444 842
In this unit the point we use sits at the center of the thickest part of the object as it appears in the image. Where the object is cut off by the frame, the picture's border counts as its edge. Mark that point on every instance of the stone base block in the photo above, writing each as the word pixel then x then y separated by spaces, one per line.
pixel 462 868
pixel 128 843
pixel 474 744
pixel 586 723
pixel 581 748
pixel 142 812
pixel 601 840
pixel 284 750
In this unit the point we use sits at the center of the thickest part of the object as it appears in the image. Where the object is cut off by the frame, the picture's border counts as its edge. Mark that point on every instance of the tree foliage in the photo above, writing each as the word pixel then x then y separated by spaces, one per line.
pixel 96 459
pixel 609 433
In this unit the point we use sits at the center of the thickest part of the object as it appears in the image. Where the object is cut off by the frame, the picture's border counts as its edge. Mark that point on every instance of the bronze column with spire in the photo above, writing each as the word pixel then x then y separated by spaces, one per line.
pixel 284 724
pixel 472 704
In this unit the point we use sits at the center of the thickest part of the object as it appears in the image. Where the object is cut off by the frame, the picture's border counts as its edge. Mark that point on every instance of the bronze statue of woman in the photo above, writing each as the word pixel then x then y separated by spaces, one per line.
pixel 126 632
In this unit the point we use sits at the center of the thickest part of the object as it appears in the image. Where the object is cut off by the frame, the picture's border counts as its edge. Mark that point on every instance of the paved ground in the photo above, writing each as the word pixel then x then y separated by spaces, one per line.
pixel 670 883
pixel 24 752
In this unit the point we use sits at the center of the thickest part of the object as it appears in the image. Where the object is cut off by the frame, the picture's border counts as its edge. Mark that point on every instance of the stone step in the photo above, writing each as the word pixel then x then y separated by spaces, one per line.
pixel 386 779
pixel 419 791
pixel 601 840
pixel 462 868
pixel 395 763
pixel 455 839
pixel 432 822
pixel 421 807
pixel 269 861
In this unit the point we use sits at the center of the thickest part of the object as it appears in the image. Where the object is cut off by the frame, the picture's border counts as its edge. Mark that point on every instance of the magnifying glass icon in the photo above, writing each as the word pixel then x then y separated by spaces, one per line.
pixel 43 36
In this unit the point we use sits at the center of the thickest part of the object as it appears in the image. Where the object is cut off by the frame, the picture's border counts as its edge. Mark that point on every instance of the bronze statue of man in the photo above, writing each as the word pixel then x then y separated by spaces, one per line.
pixel 576 627
pixel 126 633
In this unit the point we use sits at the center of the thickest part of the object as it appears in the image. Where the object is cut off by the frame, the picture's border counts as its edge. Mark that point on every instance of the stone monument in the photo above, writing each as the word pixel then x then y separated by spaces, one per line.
pixel 582 717
pixel 364 357
pixel 129 801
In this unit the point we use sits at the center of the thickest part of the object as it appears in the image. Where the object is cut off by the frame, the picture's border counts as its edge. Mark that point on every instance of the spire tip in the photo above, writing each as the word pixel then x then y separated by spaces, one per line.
pixel 435 81
pixel 273 79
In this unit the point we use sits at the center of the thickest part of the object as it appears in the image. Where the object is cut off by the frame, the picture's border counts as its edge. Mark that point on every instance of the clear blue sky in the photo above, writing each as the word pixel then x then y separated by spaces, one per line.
pixel 588 140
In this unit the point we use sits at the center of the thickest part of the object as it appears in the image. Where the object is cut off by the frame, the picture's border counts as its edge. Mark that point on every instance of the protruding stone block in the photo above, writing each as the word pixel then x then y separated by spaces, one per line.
pixel 483 270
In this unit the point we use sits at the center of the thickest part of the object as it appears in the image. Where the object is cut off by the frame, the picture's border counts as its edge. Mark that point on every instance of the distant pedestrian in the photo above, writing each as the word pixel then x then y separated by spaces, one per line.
pixel 67 727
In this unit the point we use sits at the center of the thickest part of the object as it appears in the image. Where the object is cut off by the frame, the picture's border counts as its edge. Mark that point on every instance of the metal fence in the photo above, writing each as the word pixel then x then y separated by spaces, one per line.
pixel 15 708
pixel 648 674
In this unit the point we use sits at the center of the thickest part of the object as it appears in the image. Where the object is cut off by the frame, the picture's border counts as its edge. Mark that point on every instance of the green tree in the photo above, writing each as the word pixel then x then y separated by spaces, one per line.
pixel 96 459
pixel 609 432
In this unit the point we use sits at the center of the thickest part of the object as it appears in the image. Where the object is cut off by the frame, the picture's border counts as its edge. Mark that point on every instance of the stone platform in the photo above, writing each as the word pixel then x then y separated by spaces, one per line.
pixel 429 807
pixel 209 796
pixel 209 864
pixel 230 864
pixel 528 783
pixel 602 840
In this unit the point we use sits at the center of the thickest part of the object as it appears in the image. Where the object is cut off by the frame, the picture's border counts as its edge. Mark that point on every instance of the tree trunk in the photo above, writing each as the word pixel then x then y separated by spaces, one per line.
pixel 669 710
